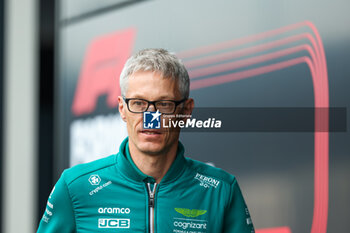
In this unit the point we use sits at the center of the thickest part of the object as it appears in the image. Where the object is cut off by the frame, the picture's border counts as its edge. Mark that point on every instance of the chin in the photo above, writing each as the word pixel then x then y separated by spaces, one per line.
pixel 152 148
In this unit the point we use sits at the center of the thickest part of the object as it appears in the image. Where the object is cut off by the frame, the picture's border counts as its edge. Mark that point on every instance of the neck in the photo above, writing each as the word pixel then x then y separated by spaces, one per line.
pixel 154 165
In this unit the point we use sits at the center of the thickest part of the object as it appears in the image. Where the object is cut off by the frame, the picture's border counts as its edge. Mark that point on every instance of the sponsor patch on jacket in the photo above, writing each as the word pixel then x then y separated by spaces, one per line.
pixel 190 213
pixel 113 223
pixel 206 181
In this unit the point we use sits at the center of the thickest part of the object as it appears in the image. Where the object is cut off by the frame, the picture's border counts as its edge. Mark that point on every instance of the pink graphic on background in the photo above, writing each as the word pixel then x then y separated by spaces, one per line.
pixel 107 54
pixel 274 230
pixel 316 61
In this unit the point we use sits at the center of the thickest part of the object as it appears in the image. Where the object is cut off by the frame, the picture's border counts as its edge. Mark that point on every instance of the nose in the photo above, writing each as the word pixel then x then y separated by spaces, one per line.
pixel 151 107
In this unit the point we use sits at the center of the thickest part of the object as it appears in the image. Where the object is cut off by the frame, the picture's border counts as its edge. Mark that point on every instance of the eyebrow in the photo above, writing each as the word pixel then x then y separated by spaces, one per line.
pixel 162 97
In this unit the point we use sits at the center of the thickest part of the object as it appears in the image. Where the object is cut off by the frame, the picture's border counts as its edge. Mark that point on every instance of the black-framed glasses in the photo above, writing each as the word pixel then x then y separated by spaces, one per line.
pixel 137 105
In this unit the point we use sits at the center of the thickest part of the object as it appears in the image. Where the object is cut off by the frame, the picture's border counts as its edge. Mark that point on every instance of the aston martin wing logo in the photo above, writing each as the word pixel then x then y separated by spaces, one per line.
pixel 190 213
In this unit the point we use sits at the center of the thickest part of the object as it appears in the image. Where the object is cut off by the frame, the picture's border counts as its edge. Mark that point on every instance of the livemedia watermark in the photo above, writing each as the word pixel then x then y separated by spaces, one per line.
pixel 262 119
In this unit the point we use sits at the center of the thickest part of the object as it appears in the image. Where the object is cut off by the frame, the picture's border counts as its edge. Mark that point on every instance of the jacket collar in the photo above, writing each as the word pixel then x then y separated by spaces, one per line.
pixel 128 168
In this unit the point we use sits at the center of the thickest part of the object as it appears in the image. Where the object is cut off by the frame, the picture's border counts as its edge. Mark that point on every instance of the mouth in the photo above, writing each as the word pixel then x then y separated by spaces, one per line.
pixel 151 132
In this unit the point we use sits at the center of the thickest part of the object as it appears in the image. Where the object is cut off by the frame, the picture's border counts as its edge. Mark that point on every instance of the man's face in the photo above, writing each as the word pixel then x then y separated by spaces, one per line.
pixel 152 87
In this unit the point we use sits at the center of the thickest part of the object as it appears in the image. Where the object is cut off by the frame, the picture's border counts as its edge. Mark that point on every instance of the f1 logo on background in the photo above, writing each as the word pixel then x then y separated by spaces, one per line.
pixel 103 63
pixel 151 120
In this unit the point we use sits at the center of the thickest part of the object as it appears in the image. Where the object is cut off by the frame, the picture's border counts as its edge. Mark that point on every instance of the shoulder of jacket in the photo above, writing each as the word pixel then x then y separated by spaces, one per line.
pixel 210 171
pixel 79 170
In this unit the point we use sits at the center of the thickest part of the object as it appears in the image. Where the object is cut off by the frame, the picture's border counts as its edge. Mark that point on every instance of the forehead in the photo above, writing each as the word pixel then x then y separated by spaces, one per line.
pixel 152 86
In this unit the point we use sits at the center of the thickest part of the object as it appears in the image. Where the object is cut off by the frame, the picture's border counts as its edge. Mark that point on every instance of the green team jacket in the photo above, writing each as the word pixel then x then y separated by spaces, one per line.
pixel 113 195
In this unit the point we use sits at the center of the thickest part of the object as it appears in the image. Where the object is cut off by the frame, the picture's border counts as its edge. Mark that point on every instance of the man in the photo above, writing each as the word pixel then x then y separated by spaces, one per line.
pixel 149 186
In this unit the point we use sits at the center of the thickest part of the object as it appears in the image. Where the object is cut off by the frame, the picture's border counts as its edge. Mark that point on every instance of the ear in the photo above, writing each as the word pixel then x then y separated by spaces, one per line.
pixel 122 108
pixel 188 107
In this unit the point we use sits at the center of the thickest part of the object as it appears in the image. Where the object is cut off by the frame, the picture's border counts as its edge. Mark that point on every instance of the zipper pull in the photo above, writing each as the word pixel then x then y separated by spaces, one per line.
pixel 151 194
pixel 151 202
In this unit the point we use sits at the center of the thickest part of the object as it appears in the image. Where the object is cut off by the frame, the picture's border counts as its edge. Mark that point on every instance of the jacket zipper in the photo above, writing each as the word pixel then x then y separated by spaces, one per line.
pixel 151 206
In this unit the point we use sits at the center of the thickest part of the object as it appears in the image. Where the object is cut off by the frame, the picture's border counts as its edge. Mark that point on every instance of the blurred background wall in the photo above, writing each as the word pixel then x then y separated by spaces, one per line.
pixel 61 61
pixel 19 115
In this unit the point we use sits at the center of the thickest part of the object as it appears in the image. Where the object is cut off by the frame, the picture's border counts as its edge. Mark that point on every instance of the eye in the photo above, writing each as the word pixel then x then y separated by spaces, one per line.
pixel 164 104
pixel 138 103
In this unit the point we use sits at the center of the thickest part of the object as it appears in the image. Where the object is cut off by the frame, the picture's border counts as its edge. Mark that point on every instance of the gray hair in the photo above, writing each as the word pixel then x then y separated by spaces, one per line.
pixel 156 60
